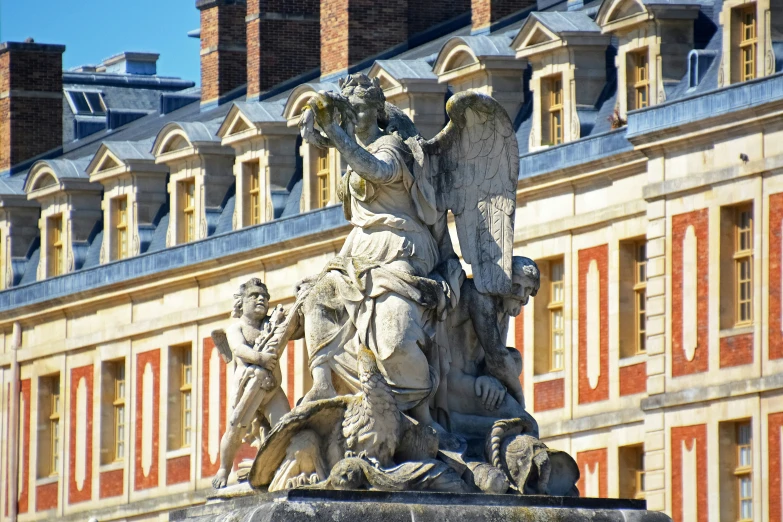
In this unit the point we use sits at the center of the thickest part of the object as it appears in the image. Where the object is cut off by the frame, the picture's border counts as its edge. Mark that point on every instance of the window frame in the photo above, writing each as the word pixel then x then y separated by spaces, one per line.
pixel 641 82
pixel 55 403
pixel 742 472
pixel 748 43
pixel 55 229
pixel 186 396
pixel 743 255
pixel 555 109
pixel 323 193
pixel 118 405
pixel 121 235
pixel 188 212
pixel 555 307
pixel 73 94
pixel 640 296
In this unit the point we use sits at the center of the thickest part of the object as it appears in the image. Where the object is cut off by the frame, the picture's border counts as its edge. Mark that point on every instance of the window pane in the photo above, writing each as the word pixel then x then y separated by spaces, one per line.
pixel 79 102
pixel 95 101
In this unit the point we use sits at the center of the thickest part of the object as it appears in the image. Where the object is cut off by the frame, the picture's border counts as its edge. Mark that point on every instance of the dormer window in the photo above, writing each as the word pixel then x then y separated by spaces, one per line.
pixel 746 21
pixel 322 186
pixel 552 100
pixel 188 230
pixel 86 102
pixel 121 227
pixel 57 258
pixel 253 199
pixel 638 75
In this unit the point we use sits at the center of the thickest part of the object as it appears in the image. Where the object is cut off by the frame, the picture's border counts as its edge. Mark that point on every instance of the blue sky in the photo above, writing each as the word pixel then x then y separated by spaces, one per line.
pixel 93 30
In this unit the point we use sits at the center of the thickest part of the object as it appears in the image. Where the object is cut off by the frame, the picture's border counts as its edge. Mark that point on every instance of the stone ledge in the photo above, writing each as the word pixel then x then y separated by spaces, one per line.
pixel 370 506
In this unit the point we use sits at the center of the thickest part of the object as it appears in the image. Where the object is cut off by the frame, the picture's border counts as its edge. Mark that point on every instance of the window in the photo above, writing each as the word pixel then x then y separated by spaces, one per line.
pixel 113 396
pixel 119 410
pixel 253 184
pixel 186 399
pixel 736 300
pixel 86 102
pixel 639 80
pixel 744 484
pixel 556 317
pixel 743 264
pixel 323 194
pixel 188 226
pixel 181 418
pixel 631 460
pixel 748 42
pixel 633 297
pixel 121 227
pixel 49 411
pixel 549 340
pixel 640 295
pixel 56 265
pixel 552 113
pixel 54 426
pixel 736 470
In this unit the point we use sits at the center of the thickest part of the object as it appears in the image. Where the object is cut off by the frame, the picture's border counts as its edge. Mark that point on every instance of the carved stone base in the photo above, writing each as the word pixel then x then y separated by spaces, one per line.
pixel 302 505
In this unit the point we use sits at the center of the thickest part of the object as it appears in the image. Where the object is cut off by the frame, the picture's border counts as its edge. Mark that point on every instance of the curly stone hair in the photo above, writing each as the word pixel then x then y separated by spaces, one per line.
pixel 526 267
pixel 254 281
pixel 362 86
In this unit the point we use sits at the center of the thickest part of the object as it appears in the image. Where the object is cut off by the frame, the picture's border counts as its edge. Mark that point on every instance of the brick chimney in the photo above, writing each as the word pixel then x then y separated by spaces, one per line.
pixel 355 31
pixel 223 51
pixel 31 102
pixel 283 41
pixel 486 13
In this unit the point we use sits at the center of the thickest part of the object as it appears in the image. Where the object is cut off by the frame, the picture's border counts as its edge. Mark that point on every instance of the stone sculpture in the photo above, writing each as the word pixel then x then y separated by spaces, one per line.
pixel 413 385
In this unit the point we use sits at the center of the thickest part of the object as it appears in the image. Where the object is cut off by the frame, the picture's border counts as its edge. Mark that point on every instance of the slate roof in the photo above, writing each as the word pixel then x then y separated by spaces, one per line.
pixel 134 140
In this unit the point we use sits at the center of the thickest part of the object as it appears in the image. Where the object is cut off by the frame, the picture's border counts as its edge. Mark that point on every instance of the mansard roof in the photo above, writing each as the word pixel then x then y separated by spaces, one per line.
pixel 58 174
pixel 401 70
pixel 244 116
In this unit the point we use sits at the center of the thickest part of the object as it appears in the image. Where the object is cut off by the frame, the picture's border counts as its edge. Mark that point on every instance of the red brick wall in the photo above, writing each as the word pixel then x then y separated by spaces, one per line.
pixel 178 470
pixel 519 341
pixel 30 126
pixel 46 496
pixel 736 350
pixel 487 12
pixel 209 468
pixel 7 446
pixel 633 379
pixel 680 223
pixel 689 434
pixel 111 483
pixel 224 64
pixel 24 466
pixel 291 371
pixel 775 422
pixel 588 460
pixel 152 358
pixel 74 495
pixel 775 227
pixel 601 392
pixel 549 395
pixel 281 48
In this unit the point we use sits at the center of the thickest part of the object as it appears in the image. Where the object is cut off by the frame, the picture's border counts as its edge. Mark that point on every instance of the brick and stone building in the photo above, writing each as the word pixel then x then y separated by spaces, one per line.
pixel 650 194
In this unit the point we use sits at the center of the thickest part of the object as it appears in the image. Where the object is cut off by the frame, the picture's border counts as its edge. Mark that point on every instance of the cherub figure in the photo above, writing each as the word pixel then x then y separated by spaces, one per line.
pixel 483 381
pixel 257 397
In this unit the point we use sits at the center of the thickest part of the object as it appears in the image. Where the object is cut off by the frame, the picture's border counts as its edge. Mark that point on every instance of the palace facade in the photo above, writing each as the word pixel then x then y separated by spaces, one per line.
pixel 650 194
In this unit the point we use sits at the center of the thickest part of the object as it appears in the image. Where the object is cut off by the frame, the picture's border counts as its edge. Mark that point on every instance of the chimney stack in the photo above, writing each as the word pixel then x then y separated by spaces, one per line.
pixel 486 13
pixel 223 49
pixel 283 42
pixel 31 102
pixel 355 31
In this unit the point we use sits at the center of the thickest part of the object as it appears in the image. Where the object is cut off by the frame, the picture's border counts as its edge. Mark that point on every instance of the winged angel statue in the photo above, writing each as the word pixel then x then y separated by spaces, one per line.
pixel 393 321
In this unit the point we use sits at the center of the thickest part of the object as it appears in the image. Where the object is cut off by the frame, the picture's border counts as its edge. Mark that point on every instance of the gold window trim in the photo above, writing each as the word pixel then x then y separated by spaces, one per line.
pixel 743 265
pixel 556 307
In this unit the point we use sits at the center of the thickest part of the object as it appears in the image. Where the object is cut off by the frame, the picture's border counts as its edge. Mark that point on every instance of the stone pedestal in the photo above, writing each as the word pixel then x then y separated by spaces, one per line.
pixel 300 505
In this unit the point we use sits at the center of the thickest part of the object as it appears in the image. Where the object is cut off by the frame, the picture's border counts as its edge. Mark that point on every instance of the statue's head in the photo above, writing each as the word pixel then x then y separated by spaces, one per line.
pixel 366 96
pixel 525 281
pixel 252 301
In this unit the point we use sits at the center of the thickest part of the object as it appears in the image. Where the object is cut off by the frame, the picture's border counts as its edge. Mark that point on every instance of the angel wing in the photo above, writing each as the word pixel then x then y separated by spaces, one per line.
pixel 476 178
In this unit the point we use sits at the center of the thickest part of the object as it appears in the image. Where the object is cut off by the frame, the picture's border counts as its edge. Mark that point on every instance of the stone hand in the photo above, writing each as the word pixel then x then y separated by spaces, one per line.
pixel 491 392
pixel 267 358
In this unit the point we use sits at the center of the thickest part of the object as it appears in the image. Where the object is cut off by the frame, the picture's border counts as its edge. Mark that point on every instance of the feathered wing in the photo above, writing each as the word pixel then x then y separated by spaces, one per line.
pixel 476 177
